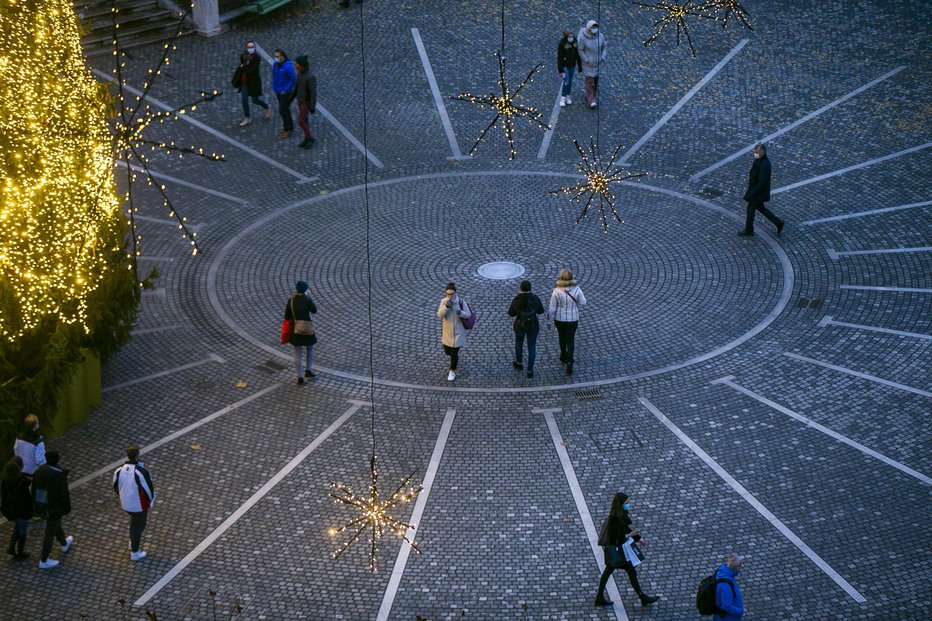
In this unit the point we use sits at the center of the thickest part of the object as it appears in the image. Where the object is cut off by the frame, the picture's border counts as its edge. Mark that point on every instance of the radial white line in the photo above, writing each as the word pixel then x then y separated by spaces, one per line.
pixel 751 500
pixel 109 468
pixel 192 226
pixel 878 160
pixel 828 321
pixel 246 506
pixel 689 95
pixel 798 122
pixel 861 214
pixel 210 130
pixel 727 381
pixel 168 328
pixel 834 254
pixel 891 289
pixel 186 184
pixel 548 136
pixel 872 378
pixel 438 99
pixel 583 508
pixel 184 367
pixel 333 121
pixel 398 570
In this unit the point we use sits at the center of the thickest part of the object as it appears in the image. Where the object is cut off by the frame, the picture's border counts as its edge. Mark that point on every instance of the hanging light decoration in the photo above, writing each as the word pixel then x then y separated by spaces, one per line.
pixel 728 7
pixel 676 13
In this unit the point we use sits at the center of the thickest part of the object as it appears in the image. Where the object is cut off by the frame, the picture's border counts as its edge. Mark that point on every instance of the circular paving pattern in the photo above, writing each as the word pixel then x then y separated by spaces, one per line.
pixel 670 287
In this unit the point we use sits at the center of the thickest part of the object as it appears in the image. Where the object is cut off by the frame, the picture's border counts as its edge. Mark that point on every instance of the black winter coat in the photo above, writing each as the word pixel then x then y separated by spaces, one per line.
pixel 525 308
pixel 568 55
pixel 759 181
pixel 305 89
pixel 617 530
pixel 56 482
pixel 250 65
pixel 16 503
pixel 303 307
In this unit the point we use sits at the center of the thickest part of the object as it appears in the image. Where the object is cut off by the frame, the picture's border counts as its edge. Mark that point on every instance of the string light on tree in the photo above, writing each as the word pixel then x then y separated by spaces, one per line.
pixel 597 183
pixel 505 107
pixel 728 7
pixel 676 13
pixel 374 515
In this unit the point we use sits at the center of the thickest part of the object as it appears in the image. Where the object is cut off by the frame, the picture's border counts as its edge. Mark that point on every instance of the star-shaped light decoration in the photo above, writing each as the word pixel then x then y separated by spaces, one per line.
pixel 374 514
pixel 676 13
pixel 129 122
pixel 729 7
pixel 505 107
pixel 597 183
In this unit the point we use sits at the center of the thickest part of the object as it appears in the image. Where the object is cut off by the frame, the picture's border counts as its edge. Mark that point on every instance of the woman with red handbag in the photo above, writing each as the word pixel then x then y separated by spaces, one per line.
pixel 301 333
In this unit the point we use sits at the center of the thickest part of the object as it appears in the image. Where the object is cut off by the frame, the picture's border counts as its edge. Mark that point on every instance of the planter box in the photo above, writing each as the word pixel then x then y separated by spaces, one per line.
pixel 78 395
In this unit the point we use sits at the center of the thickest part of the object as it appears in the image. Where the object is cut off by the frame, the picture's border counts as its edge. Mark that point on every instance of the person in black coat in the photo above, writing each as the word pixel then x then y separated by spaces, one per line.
pixel 615 531
pixel 305 93
pixel 50 489
pixel 16 505
pixel 299 308
pixel 758 192
pixel 568 62
pixel 249 82
pixel 525 307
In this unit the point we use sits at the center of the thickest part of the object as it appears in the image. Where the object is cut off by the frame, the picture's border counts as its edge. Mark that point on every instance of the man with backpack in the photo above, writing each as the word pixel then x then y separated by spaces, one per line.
pixel 525 308
pixel 51 500
pixel 719 594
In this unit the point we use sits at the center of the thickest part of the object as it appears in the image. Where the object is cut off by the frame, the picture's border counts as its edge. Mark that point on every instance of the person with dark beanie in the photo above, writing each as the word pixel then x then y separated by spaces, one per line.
pixel 52 500
pixel 303 336
pixel 16 505
pixel 305 92
pixel 615 532
pixel 525 307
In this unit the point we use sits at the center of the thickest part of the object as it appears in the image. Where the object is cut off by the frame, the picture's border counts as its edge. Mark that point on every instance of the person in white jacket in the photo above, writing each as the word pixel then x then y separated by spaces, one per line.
pixel 452 310
pixel 30 447
pixel 592 53
pixel 133 485
pixel 565 302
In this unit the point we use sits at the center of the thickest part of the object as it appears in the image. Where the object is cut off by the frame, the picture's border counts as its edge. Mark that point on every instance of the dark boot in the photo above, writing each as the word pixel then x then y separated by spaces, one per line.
pixel 601 601
pixel 647 600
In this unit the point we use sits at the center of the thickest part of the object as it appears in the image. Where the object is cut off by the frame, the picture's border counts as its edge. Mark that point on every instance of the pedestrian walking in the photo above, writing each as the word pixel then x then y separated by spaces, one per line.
pixel 302 334
pixel 568 62
pixel 30 446
pixel 525 307
pixel 758 192
pixel 592 54
pixel 133 484
pixel 617 539
pixel 453 310
pixel 51 500
pixel 305 92
pixel 283 83
pixel 728 598
pixel 565 302
pixel 16 505
pixel 247 79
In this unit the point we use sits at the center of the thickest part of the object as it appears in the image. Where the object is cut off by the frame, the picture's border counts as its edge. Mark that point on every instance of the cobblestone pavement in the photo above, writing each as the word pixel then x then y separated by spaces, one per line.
pixel 769 396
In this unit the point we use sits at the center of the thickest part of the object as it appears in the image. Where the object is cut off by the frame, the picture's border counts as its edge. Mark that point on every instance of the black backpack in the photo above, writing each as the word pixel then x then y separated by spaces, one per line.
pixel 705 597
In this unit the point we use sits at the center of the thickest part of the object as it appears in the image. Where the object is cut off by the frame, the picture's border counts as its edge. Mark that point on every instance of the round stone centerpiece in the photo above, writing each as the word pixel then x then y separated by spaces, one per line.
pixel 500 270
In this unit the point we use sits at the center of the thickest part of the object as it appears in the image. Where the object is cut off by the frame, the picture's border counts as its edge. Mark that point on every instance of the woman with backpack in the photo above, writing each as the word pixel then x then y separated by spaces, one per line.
pixel 16 505
pixel 453 310
pixel 565 302
pixel 614 539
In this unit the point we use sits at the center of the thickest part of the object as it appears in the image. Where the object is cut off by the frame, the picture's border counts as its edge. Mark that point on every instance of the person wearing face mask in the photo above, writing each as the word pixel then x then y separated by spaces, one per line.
pixel 592 54
pixel 758 192
pixel 614 536
pixel 305 91
pixel 283 81
pixel 250 82
pixel 568 62
pixel 452 310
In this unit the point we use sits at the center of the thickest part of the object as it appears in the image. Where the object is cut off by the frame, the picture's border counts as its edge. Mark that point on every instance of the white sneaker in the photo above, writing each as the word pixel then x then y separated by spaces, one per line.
pixel 245 122
pixel 451 376
pixel 68 541
pixel 562 102
pixel 137 556
pixel 592 105
pixel 48 564
pixel 569 100
pixel 268 112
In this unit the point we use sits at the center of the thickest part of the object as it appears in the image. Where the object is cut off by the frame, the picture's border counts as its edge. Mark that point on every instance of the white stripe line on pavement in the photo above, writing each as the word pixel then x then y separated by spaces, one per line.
pixel 890 289
pixel 438 99
pixel 210 130
pixel 727 381
pixel 333 121
pixel 861 214
pixel 109 468
pixel 751 500
pixel 184 367
pixel 585 516
pixel 842 171
pixel 872 378
pixel 186 184
pixel 168 328
pixel 834 254
pixel 689 95
pixel 398 570
pixel 548 136
pixel 191 226
pixel 798 122
pixel 246 506
pixel 828 321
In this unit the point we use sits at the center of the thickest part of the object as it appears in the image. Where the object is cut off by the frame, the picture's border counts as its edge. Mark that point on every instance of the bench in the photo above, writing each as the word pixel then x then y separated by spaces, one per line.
pixel 261 7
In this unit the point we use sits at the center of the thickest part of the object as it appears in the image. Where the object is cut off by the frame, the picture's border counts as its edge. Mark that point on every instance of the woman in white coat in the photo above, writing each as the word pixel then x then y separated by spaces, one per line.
pixel 565 302
pixel 452 311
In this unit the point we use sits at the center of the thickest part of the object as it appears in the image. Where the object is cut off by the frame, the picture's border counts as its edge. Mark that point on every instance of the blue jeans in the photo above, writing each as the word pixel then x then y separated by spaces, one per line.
pixel 18 537
pixel 568 73
pixel 308 357
pixel 244 92
pixel 531 336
